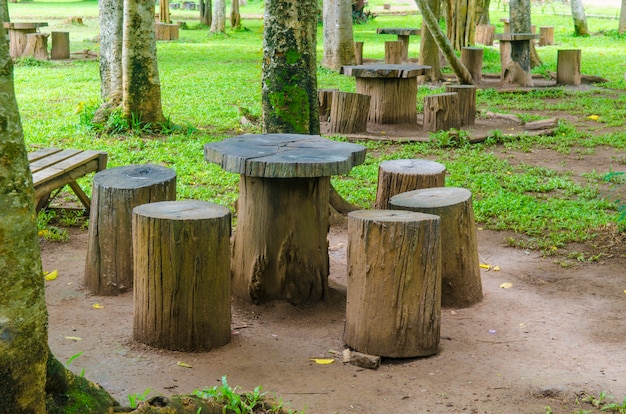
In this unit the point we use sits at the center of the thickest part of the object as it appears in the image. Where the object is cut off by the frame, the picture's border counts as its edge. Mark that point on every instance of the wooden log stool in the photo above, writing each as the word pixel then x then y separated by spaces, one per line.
pixel 546 35
pixel 485 34
pixel 466 101
pixel 568 67
pixel 349 112
pixel 393 52
pixel 358 52
pixel 166 31
pixel 441 112
pixel 60 45
pixel 472 59
pixel 36 46
pixel 461 284
pixel 400 176
pixel 393 304
pixel 182 275
pixel 116 191
pixel 325 98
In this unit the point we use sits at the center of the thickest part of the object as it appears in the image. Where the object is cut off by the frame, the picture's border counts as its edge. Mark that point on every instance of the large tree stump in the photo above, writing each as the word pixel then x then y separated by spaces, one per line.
pixel 393 305
pixel 349 112
pixel 400 176
pixel 358 52
pixel 441 112
pixel 116 191
pixel 485 34
pixel 466 101
pixel 461 284
pixel 472 59
pixel 546 35
pixel 165 31
pixel 36 46
pixel 60 45
pixel 393 52
pixel 568 67
pixel 182 275
pixel 325 97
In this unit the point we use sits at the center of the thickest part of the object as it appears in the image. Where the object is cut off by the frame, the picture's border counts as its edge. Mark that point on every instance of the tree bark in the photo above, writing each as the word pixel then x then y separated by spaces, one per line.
pixel 141 87
pixel 289 78
pixel 206 12
pixel 579 17
pixel 111 32
pixel 429 51
pixel 235 16
pixel 164 11
pixel 461 22
pixel 4 12
pixel 622 18
pixel 218 22
pixel 338 35
pixel 444 45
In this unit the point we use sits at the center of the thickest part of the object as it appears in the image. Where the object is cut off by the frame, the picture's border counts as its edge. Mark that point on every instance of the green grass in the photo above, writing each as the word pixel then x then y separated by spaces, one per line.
pixel 206 79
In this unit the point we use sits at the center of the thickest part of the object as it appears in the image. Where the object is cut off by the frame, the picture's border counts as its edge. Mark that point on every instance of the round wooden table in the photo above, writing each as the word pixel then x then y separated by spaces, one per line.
pixel 280 249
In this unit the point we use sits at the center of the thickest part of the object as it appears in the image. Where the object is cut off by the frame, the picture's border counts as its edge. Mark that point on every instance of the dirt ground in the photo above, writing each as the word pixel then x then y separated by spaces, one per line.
pixel 556 334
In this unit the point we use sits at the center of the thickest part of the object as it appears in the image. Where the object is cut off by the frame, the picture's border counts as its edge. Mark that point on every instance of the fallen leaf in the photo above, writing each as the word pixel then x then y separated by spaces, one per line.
pixel 593 117
pixel 52 275
pixel 323 361
pixel 182 364
pixel 97 306
pixel 506 285
pixel 74 338
pixel 485 266
pixel 496 268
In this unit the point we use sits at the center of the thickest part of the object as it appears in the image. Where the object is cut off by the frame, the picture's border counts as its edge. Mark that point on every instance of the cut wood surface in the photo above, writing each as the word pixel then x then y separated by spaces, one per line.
pixel 461 283
pixel 358 52
pixel 399 176
pixel 349 112
pixel 466 102
pixel 36 46
pixel 441 112
pixel 568 67
pixel 485 34
pixel 393 304
pixel 325 98
pixel 181 267
pixel 393 52
pixel 380 70
pixel 165 31
pixel 116 191
pixel 60 45
pixel 546 35
pixel 472 59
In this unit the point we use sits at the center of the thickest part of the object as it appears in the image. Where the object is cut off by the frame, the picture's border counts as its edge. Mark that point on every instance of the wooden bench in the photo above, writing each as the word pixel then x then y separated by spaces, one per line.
pixel 53 168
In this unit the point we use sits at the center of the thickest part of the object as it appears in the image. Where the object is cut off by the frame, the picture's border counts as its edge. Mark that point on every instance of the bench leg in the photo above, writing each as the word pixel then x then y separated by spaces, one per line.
pixel 81 195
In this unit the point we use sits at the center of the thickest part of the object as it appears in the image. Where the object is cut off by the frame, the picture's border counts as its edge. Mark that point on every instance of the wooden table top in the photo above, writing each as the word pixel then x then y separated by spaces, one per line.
pixel 28 25
pixel 514 37
pixel 284 155
pixel 400 31
pixel 385 70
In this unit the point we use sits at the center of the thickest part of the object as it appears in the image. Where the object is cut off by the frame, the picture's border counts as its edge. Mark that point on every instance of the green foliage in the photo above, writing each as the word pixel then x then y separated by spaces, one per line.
pixel 135 399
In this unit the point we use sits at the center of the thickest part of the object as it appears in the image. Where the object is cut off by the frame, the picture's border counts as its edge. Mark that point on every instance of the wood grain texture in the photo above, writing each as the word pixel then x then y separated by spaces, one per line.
pixel 399 176
pixel 393 304
pixel 393 100
pixel 568 67
pixel 441 112
pixel 466 102
pixel 349 112
pixel 461 282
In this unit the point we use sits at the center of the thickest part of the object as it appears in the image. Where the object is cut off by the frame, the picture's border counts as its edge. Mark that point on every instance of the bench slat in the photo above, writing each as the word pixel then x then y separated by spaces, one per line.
pixel 51 159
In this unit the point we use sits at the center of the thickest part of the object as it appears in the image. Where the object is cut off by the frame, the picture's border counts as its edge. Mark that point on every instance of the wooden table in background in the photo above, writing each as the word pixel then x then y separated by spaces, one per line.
pixel 393 89
pixel 280 249
pixel 403 36
pixel 17 35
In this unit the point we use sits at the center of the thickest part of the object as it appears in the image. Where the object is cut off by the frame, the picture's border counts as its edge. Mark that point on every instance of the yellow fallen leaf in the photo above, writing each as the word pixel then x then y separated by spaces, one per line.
pixel 485 266
pixel 52 275
pixel 624 291
pixel 97 306
pixel 593 117
pixel 323 361
pixel 496 268
pixel 506 285
pixel 74 338
pixel 182 364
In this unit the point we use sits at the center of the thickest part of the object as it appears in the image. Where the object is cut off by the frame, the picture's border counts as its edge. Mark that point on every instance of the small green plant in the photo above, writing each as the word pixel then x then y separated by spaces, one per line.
pixel 232 400
pixel 72 358
pixel 135 399
pixel 450 139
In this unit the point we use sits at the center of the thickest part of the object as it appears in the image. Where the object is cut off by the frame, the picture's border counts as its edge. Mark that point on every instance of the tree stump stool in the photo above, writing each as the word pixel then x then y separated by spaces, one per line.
pixel 166 31
pixel 568 67
pixel 441 112
pixel 393 52
pixel 400 176
pixel 36 46
pixel 393 305
pixel 182 275
pixel 546 35
pixel 116 191
pixel 60 45
pixel 358 52
pixel 466 101
pixel 349 112
pixel 472 59
pixel 461 284
pixel 325 98
pixel 485 34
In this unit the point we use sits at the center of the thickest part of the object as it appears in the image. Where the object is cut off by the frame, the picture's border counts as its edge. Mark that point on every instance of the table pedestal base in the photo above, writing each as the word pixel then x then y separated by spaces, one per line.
pixel 280 250
pixel 393 99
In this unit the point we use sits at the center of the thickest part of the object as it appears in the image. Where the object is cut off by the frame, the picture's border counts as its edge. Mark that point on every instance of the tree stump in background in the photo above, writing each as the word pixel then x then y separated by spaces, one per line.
pixel 472 59
pixel 165 31
pixel 466 101
pixel 36 46
pixel 349 112
pixel 461 283
pixel 441 112
pixel 568 67
pixel 358 52
pixel 182 275
pixel 325 97
pixel 116 191
pixel 400 176
pixel 60 45
pixel 485 34
pixel 546 35
pixel 393 304
pixel 394 51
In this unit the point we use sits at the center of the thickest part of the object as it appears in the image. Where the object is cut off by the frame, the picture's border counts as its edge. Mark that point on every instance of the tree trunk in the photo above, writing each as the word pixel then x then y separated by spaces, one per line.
pixel 429 51
pixel 461 22
pixel 289 79
pixel 235 16
pixel 579 17
pixel 218 22
pixel 444 45
pixel 622 18
pixel 519 69
pixel 164 11
pixel 338 36
pixel 141 87
pixel 482 11
pixel 206 12
pixel 4 12
pixel 111 31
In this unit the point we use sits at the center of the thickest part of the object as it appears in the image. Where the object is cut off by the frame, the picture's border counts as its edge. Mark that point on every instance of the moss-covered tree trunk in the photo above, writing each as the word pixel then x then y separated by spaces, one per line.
pixel 461 22
pixel 206 10
pixel 23 315
pixel 579 17
pixel 235 16
pixel 141 86
pixel 338 36
pixel 4 11
pixel 429 52
pixel 289 79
